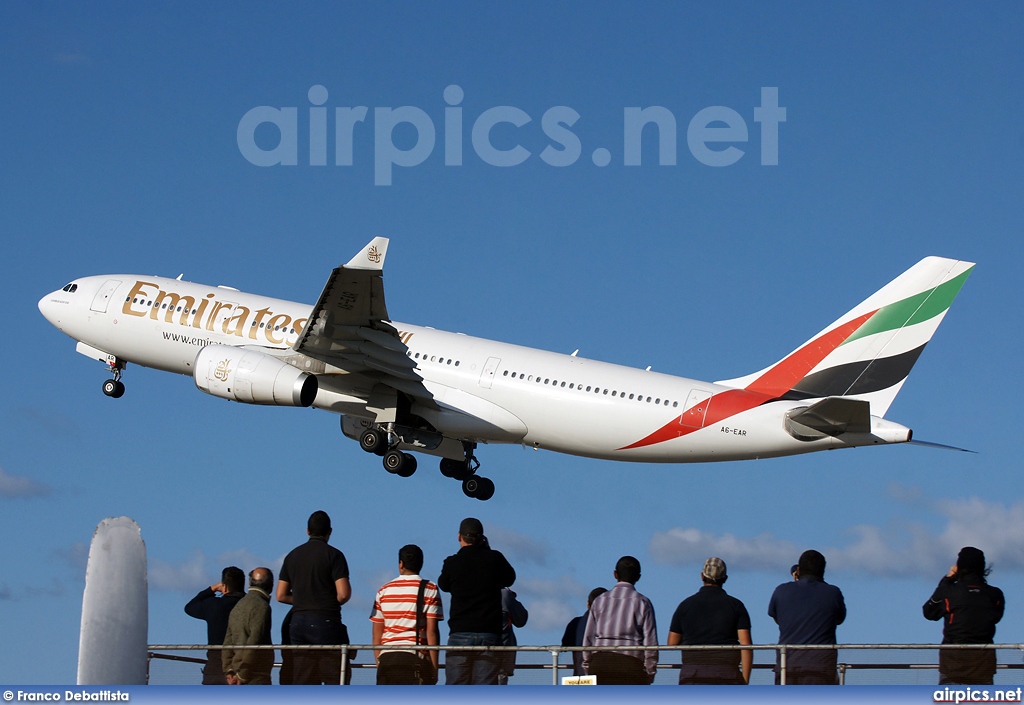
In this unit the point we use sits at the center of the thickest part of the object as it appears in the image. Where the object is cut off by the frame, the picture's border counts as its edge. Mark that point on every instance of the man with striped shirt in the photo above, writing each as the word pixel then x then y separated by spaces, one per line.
pixel 622 617
pixel 394 619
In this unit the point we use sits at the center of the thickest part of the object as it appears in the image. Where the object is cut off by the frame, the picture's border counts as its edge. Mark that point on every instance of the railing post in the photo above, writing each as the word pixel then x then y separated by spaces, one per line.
pixel 344 663
pixel 554 667
pixel 842 674
pixel 782 665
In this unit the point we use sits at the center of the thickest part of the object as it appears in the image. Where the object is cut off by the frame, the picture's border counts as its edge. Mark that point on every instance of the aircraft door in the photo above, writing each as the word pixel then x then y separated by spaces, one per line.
pixel 487 376
pixel 99 303
pixel 696 409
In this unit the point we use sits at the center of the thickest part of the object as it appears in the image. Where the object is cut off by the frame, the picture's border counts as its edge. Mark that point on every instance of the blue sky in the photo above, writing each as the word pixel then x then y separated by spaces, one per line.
pixel 903 138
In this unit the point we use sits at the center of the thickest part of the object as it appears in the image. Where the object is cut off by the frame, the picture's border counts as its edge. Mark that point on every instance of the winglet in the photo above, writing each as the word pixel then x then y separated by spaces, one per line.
pixel 370 257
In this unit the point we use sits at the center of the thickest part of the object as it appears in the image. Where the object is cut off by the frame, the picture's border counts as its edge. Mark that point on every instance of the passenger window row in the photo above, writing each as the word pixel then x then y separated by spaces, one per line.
pixel 589 388
pixel 434 358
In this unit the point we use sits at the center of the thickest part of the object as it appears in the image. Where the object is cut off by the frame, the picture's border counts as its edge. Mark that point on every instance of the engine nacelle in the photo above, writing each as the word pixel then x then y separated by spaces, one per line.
pixel 252 377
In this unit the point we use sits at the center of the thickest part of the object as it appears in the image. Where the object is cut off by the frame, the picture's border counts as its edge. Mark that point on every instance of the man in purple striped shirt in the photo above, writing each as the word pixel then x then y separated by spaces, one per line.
pixel 622 617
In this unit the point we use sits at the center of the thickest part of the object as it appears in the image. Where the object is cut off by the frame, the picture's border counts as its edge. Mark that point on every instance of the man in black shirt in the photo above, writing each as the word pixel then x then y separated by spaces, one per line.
pixel 970 608
pixel 712 617
pixel 314 581
pixel 214 610
pixel 474 576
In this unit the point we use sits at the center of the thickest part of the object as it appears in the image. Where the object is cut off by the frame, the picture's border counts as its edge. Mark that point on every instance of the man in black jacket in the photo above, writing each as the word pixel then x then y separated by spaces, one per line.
pixel 970 608
pixel 474 576
pixel 213 605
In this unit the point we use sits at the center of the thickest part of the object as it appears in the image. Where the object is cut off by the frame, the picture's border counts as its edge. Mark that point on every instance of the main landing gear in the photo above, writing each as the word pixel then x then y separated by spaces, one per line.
pixel 380 442
pixel 465 472
pixel 114 387
pixel 384 443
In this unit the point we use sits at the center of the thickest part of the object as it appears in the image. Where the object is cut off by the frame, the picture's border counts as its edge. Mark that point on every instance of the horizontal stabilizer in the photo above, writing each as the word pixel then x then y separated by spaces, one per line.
pixel 834 416
pixel 941 446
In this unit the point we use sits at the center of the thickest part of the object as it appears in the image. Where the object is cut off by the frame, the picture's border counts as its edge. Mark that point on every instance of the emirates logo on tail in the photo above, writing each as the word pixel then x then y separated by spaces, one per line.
pixel 373 254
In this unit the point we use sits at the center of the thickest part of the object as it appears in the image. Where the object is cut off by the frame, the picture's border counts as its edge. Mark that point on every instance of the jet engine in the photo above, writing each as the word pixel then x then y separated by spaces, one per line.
pixel 252 377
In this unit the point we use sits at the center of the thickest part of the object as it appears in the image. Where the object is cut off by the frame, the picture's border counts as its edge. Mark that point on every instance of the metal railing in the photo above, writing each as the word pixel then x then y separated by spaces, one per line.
pixel 556 666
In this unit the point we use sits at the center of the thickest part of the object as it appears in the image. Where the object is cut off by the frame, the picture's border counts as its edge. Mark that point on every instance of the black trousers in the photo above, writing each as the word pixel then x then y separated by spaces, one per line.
pixel 398 668
pixel 617 669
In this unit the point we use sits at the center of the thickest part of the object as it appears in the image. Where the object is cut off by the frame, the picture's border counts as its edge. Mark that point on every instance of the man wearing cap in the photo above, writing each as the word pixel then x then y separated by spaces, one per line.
pixel 970 608
pixel 474 576
pixel 808 611
pixel 314 581
pixel 622 617
pixel 711 617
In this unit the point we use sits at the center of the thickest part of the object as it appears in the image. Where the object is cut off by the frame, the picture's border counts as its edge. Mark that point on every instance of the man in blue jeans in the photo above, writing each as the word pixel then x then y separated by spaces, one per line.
pixel 314 581
pixel 474 576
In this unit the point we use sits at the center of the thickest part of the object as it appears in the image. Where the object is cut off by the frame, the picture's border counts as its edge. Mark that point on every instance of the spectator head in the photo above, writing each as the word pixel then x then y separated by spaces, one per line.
pixel 971 561
pixel 627 569
pixel 319 524
pixel 262 578
pixel 794 570
pixel 471 531
pixel 233 579
pixel 594 594
pixel 812 563
pixel 714 572
pixel 411 558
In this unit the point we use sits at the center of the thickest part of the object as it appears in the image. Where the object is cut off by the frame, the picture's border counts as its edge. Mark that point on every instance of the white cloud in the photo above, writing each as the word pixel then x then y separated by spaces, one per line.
pixel 198 571
pixel 518 547
pixel 188 576
pixel 551 602
pixel 549 614
pixel 692 546
pixel 20 487
pixel 908 549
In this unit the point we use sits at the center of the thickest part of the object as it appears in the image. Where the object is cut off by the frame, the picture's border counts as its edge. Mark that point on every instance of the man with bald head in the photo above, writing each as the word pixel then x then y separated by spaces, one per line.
pixel 249 625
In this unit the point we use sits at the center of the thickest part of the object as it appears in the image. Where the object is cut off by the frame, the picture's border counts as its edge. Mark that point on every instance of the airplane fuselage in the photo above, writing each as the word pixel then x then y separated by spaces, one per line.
pixel 484 391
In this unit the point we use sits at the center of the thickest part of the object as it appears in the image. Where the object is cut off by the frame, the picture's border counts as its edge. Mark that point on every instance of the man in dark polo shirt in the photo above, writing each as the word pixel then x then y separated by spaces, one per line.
pixel 474 576
pixel 710 616
pixel 808 612
pixel 314 581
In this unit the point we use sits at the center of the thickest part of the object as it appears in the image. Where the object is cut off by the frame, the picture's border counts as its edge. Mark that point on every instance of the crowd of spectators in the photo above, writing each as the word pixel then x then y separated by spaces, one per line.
pixel 619 624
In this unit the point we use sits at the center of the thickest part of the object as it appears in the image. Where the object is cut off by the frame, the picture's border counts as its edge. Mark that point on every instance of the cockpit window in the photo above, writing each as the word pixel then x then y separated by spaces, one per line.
pixel 70 288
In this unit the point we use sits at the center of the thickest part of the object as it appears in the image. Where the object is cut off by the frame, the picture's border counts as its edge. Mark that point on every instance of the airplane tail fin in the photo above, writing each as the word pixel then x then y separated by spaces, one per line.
pixel 868 353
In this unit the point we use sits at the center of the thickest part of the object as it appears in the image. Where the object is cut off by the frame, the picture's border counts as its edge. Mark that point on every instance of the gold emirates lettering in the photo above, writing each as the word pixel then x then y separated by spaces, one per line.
pixel 236 318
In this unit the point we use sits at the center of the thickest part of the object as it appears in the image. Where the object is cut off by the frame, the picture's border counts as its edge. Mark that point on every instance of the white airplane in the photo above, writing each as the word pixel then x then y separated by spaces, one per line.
pixel 402 388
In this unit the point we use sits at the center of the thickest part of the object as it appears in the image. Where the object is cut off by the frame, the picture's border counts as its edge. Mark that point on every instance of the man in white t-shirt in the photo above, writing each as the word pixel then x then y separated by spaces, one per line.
pixel 394 619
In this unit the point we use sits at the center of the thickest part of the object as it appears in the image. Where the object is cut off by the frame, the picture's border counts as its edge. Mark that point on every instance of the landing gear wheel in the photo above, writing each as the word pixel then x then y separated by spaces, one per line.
pixel 485 490
pixel 373 441
pixel 113 388
pixel 394 461
pixel 408 466
pixel 455 469
pixel 478 488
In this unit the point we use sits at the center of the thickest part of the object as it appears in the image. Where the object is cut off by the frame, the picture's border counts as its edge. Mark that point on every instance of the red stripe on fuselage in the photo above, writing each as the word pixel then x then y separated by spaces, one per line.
pixel 771 385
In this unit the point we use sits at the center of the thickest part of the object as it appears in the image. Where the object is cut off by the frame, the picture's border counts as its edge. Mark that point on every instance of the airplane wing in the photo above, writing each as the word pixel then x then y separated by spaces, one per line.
pixel 349 327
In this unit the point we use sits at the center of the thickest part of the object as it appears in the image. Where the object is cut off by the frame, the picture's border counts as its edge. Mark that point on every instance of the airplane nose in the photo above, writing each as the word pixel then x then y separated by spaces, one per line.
pixel 49 309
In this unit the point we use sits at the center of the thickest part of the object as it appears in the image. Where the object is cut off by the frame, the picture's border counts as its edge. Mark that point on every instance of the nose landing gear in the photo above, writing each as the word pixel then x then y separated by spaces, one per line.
pixel 114 388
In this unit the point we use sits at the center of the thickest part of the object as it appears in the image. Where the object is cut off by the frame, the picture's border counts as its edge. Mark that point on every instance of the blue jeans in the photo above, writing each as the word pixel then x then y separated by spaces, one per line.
pixel 315 667
pixel 471 667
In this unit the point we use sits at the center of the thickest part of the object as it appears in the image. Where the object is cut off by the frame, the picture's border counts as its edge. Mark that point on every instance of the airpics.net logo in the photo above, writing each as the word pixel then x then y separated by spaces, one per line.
pixel 712 134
